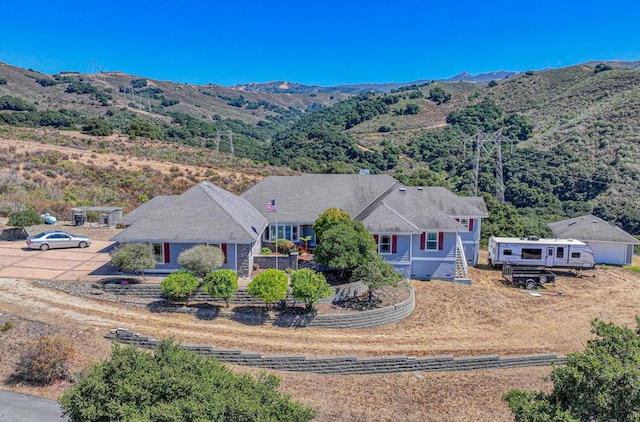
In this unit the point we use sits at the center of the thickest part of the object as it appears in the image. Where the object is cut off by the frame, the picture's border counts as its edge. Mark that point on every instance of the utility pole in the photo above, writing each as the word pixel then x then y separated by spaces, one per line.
pixel 488 142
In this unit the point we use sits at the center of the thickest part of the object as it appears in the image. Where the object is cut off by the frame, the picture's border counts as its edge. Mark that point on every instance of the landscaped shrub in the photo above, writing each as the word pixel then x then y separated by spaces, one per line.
pixel 44 361
pixel 283 246
pixel 269 286
pixel 201 259
pixel 221 284
pixel 24 218
pixel 309 286
pixel 265 251
pixel 180 285
pixel 376 272
pixel 133 258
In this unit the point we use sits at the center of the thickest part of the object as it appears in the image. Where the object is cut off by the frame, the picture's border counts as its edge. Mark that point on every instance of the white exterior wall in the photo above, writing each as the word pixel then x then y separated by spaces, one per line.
pixel 609 252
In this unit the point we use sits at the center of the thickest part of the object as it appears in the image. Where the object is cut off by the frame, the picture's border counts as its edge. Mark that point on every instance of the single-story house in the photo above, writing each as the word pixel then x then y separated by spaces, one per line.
pixel 424 232
pixel 610 244
pixel 204 214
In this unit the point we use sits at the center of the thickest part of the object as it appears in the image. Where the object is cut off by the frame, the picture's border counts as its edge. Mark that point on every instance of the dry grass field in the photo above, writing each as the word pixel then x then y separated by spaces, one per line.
pixel 484 318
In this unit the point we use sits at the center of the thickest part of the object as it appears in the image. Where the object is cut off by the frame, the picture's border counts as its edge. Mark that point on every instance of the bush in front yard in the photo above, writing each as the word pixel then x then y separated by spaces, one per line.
pixel 222 284
pixel 309 286
pixel 133 258
pixel 269 286
pixel 45 361
pixel 180 285
pixel 201 259
pixel 283 246
pixel 24 218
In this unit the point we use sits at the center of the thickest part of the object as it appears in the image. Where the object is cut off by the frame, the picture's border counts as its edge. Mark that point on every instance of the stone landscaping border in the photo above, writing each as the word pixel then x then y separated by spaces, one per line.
pixel 349 365
pixel 347 320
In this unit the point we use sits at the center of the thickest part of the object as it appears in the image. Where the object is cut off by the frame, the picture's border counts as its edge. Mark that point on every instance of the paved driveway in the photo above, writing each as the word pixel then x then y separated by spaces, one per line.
pixel 17 261
pixel 15 407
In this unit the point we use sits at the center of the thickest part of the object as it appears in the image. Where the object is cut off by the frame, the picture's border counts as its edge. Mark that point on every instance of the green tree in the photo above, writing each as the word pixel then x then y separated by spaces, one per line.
pixel 144 129
pixel 221 284
pixel 201 259
pixel 376 273
pixel 28 217
pixel 269 286
pixel 174 384
pixel 97 127
pixel 439 95
pixel 345 246
pixel 309 286
pixel 133 258
pixel 328 219
pixel 602 67
pixel 602 383
pixel 180 285
pixel 411 108
pixel 492 84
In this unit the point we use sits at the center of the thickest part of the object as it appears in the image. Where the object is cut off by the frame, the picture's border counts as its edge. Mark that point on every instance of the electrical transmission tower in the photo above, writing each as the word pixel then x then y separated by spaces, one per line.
pixel 230 136
pixel 488 143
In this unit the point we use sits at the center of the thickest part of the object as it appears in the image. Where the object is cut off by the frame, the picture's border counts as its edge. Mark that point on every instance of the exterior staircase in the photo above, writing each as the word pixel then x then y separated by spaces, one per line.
pixel 462 269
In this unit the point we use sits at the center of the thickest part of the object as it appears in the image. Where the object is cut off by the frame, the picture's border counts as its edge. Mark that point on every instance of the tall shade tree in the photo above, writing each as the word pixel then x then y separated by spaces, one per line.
pixel 309 286
pixel 602 383
pixel 180 285
pixel 269 286
pixel 345 246
pixel 201 259
pixel 174 384
pixel 328 219
pixel 221 284
pixel 133 258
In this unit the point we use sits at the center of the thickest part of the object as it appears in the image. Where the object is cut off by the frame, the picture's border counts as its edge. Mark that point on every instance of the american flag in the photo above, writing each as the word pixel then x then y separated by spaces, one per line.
pixel 271 206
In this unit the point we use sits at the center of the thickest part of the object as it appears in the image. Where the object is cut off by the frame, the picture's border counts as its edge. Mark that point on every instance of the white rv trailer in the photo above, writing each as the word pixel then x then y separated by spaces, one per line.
pixel 534 251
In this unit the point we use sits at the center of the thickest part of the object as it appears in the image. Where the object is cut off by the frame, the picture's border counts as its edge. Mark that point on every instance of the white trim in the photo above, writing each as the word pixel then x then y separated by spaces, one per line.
pixel 441 259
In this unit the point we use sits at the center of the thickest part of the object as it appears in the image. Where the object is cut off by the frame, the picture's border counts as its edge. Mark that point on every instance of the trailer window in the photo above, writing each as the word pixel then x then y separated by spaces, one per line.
pixel 507 252
pixel 560 253
pixel 575 254
pixel 531 253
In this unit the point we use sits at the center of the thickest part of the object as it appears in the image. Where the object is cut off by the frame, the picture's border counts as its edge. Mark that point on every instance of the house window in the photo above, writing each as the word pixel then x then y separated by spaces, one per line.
pixel 465 223
pixel 575 254
pixel 560 252
pixel 507 252
pixel 531 253
pixel 432 242
pixel 384 244
pixel 285 231
pixel 158 252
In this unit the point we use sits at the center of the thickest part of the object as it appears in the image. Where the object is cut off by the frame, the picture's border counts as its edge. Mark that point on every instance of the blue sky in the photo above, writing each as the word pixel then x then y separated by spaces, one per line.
pixel 316 43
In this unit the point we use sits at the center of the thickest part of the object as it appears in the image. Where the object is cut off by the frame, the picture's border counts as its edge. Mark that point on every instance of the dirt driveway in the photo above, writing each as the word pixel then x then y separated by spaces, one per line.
pixel 16 260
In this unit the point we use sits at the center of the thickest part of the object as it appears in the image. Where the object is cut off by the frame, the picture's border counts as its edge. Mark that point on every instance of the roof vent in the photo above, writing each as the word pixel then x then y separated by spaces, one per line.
pixel 364 171
pixel 403 189
pixel 420 188
pixel 533 238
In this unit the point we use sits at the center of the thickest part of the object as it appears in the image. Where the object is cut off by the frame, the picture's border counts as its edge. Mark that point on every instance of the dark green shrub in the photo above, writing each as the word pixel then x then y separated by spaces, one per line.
pixel 309 286
pixel 492 84
pixel 24 218
pixel 439 95
pixel 97 127
pixel 16 104
pixel 602 67
pixel 174 384
pixel 139 83
pixel 283 246
pixel 221 284
pixel 201 259
pixel 3 81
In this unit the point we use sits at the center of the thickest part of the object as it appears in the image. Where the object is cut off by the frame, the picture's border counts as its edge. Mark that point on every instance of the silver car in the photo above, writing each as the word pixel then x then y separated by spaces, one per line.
pixel 57 239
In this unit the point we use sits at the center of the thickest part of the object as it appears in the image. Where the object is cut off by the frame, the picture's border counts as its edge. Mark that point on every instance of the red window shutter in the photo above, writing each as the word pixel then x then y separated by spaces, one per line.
pixel 375 237
pixel 394 244
pixel 223 247
pixel 458 220
pixel 423 240
pixel 167 257
pixel 440 240
pixel 471 224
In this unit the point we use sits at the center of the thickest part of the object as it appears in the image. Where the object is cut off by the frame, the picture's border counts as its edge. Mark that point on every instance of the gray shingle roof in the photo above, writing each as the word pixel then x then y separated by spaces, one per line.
pixel 452 204
pixel 160 202
pixel 589 227
pixel 404 210
pixel 203 213
pixel 303 198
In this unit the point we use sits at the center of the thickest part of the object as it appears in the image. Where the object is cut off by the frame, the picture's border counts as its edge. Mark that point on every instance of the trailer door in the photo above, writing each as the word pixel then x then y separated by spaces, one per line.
pixel 549 261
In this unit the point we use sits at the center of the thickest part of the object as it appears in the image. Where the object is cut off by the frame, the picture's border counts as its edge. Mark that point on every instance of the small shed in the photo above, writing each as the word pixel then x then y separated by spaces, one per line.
pixel 610 244
pixel 101 216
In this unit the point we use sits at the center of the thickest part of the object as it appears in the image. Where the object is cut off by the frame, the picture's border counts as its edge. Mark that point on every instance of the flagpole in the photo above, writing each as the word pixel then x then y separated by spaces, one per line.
pixel 277 252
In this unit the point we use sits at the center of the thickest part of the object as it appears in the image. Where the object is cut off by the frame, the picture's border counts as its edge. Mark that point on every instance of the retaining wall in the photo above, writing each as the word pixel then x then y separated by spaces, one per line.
pixel 350 365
